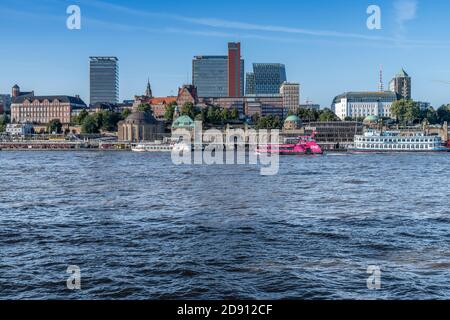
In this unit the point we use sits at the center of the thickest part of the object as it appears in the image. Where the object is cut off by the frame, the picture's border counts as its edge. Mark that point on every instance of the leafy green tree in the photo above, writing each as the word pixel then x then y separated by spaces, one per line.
pixel 405 111
pixel 443 113
pixel 170 110
pixel 225 115
pixel 328 115
pixel 110 120
pixel 235 114
pixel 145 107
pixel 90 125
pixel 188 109
pixel 4 120
pixel 125 113
pixel 213 115
pixel 81 116
pixel 412 111
pixel 269 122
pixel 255 118
pixel 54 126
pixel 430 115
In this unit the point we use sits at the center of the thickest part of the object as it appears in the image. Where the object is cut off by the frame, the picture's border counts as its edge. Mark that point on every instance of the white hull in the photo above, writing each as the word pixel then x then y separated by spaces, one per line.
pixel 150 147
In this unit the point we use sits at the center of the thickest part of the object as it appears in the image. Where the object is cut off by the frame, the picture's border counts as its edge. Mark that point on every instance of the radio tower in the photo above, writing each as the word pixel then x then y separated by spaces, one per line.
pixel 380 85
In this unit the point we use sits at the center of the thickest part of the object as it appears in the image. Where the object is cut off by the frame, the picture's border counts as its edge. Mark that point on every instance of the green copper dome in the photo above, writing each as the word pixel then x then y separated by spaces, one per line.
pixel 371 119
pixel 183 122
pixel 293 118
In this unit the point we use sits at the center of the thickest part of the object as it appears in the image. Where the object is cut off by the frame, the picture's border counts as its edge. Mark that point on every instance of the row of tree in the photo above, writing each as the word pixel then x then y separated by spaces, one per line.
pixel 408 111
pixel 210 115
pixel 311 115
pixel 102 121
pixel 4 120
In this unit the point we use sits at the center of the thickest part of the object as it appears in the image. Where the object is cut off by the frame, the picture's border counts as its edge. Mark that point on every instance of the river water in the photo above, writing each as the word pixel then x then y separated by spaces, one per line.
pixel 139 227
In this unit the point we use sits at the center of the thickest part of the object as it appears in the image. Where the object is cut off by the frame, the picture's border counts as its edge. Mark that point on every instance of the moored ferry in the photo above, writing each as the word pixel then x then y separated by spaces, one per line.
pixel 393 141
pixel 160 147
pixel 303 145
pixel 152 147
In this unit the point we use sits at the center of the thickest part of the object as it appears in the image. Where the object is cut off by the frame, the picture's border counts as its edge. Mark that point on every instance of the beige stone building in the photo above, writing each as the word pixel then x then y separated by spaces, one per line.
pixel 291 95
pixel 140 126
pixel 26 107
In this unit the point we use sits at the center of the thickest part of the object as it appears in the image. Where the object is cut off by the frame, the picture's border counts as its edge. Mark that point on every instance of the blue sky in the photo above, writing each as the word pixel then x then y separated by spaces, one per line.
pixel 325 44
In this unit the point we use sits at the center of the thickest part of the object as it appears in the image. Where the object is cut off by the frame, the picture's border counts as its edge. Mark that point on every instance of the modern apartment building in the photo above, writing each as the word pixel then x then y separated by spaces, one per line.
pixel 266 78
pixel 104 80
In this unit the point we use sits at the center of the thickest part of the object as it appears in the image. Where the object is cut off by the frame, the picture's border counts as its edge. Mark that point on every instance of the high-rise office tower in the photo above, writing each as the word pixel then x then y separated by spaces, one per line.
pixel 401 85
pixel 291 95
pixel 235 85
pixel 219 76
pixel 266 78
pixel 104 80
pixel 210 76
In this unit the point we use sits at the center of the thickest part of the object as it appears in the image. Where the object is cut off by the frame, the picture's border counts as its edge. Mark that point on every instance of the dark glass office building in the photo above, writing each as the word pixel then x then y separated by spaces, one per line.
pixel 104 80
pixel 266 78
pixel 210 75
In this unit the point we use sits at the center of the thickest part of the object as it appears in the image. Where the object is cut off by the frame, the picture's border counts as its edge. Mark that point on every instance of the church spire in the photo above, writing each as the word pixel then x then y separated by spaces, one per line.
pixel 148 91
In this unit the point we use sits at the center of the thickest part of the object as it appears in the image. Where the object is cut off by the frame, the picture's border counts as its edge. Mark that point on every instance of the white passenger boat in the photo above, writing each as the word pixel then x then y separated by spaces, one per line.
pixel 152 147
pixel 393 141
pixel 160 147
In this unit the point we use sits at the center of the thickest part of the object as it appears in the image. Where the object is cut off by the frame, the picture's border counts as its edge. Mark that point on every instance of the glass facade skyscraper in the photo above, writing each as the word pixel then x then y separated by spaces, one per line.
pixel 210 76
pixel 219 76
pixel 266 78
pixel 104 80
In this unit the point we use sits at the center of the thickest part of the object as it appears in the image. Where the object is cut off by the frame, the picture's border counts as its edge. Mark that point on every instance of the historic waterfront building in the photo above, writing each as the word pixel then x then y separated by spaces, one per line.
pixel 401 85
pixel 363 104
pixel 219 76
pixel 26 107
pixel 292 123
pixel 334 134
pixel 266 78
pixel 183 122
pixel 104 79
pixel 19 129
pixel 291 96
pixel 159 105
pixel 187 93
pixel 140 126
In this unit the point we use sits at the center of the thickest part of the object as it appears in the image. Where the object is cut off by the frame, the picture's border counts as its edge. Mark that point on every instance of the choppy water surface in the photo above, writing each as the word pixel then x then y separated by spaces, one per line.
pixel 142 228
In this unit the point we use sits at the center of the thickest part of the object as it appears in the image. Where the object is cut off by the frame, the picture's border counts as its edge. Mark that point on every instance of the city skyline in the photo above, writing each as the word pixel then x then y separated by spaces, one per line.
pixel 325 63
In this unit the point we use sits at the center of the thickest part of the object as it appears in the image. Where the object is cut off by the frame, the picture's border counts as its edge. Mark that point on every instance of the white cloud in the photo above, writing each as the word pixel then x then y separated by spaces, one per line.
pixel 405 10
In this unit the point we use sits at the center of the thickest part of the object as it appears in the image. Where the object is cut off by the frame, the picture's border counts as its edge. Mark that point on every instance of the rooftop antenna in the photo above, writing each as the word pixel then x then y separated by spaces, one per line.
pixel 380 85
